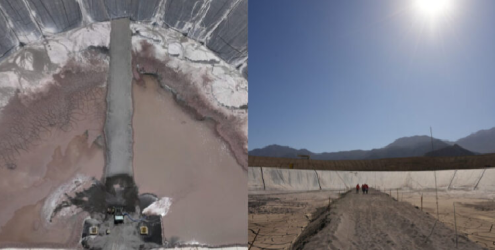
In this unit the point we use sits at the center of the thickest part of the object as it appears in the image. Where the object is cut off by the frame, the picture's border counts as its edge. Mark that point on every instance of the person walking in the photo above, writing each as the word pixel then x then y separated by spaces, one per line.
pixel 366 188
pixel 357 188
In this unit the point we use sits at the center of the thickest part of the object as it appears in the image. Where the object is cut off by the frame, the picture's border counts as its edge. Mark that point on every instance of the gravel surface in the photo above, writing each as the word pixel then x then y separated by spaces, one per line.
pixel 376 221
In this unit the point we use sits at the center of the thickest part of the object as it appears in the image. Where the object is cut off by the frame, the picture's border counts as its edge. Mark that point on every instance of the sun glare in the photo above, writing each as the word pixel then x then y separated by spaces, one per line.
pixel 433 8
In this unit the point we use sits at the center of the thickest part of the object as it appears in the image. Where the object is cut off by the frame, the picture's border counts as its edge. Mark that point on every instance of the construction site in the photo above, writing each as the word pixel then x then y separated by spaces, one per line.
pixel 120 123
pixel 294 204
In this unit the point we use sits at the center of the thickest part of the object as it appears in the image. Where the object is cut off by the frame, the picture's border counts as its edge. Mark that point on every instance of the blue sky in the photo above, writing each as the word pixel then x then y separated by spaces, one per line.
pixel 342 75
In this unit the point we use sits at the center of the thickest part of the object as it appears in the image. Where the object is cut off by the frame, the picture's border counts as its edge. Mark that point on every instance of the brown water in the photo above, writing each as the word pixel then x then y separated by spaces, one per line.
pixel 179 157
pixel 46 139
pixel 21 219
pixel 48 163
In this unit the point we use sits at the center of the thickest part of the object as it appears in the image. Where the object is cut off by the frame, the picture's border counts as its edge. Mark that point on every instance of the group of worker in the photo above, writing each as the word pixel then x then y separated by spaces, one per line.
pixel 364 187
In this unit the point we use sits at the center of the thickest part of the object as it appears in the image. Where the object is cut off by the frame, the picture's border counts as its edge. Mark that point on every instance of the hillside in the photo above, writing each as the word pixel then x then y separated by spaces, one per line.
pixel 454 150
pixel 482 141
pixel 280 151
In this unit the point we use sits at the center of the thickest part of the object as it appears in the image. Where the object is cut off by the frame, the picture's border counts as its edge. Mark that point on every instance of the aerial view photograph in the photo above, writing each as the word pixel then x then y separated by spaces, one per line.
pixel 123 124
pixel 371 125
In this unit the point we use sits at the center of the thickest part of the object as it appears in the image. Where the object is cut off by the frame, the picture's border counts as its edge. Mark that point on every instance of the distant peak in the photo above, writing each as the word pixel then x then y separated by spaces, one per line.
pixel 411 141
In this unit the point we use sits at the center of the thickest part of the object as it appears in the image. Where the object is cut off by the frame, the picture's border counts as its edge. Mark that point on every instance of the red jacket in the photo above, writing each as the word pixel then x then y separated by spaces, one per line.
pixel 366 186
pixel 357 186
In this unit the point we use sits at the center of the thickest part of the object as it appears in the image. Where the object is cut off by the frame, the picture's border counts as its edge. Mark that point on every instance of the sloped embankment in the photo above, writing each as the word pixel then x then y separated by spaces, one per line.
pixel 375 221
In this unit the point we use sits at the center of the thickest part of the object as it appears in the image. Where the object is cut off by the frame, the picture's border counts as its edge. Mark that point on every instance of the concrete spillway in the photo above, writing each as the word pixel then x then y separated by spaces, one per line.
pixel 118 124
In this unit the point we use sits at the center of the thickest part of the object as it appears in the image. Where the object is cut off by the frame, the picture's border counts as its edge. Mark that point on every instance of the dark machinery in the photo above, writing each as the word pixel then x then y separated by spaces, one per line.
pixel 118 215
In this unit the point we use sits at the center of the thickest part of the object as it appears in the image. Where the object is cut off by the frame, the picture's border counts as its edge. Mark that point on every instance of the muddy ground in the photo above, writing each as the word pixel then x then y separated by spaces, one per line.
pixel 50 139
pixel 194 90
pixel 57 153
pixel 178 156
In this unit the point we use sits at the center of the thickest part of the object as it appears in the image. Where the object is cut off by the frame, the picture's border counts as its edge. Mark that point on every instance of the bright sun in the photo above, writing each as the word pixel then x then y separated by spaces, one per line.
pixel 434 8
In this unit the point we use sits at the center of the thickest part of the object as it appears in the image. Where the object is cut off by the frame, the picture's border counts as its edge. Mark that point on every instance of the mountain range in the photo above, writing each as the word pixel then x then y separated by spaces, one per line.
pixel 481 142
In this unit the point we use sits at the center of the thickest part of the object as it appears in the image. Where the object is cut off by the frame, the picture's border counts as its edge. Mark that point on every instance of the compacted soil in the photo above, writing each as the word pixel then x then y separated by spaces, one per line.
pixel 377 221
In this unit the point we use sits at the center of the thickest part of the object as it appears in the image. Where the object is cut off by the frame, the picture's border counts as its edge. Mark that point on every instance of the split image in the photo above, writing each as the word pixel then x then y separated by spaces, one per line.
pixel 136 124
pixel 392 96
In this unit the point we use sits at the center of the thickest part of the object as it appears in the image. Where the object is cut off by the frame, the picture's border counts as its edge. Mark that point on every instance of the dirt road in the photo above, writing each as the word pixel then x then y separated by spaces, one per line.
pixel 376 221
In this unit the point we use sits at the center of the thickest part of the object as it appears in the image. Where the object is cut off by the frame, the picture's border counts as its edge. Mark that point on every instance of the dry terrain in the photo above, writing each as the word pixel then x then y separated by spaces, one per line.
pixel 302 220
pixel 475 215
pixel 279 218
pixel 376 221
